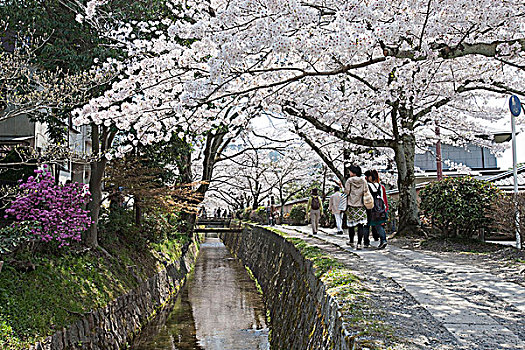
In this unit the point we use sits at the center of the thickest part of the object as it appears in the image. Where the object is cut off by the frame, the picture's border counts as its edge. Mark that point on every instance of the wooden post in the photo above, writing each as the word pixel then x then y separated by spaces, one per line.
pixel 439 159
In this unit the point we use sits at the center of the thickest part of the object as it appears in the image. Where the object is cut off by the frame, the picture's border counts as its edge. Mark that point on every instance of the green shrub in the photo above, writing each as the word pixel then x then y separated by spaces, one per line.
pixel 458 205
pixel 298 214
pixel 327 218
pixel 239 214
pixel 392 221
pixel 14 236
pixel 36 303
pixel 246 214
pixel 8 339
pixel 119 223
pixel 259 215
pixel 504 215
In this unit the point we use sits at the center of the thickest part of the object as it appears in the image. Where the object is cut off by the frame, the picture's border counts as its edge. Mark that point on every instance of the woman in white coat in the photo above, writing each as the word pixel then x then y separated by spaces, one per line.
pixel 355 188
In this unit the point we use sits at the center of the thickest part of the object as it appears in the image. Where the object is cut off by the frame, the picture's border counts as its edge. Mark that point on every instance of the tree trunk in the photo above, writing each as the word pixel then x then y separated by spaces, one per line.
pixel 323 189
pixel 101 139
pixel 95 187
pixel 138 211
pixel 408 206
pixel 281 198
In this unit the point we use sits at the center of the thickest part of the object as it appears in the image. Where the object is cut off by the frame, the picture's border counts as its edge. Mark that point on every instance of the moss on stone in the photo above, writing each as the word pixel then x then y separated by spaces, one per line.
pixel 368 331
pixel 252 277
pixel 63 288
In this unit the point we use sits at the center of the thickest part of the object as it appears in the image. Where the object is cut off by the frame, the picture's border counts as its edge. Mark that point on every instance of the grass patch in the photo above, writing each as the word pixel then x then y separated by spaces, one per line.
pixel 61 289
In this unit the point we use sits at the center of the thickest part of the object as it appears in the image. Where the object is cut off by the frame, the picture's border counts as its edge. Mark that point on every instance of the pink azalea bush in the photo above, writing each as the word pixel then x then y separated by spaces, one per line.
pixel 55 210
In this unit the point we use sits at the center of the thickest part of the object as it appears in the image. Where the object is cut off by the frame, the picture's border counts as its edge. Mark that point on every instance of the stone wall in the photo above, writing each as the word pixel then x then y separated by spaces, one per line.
pixel 303 315
pixel 110 328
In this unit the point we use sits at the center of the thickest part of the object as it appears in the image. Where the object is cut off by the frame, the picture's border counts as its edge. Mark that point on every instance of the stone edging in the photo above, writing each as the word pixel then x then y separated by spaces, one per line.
pixel 111 327
pixel 303 315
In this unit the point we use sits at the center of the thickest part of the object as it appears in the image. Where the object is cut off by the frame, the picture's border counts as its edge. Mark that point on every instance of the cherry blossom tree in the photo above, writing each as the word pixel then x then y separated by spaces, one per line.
pixel 374 73
pixel 243 176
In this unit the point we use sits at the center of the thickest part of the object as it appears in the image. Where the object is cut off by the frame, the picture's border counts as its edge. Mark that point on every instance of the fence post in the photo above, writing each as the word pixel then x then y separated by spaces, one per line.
pixel 482 234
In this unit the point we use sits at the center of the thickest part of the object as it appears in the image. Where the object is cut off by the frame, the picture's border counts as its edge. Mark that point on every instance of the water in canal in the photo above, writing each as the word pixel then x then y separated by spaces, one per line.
pixel 218 309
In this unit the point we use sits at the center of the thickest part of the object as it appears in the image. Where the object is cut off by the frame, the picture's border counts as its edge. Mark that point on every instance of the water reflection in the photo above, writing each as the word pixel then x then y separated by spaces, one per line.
pixel 218 309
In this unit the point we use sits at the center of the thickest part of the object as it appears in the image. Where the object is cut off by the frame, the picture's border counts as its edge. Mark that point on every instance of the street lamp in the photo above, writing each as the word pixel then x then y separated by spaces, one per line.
pixel 515 110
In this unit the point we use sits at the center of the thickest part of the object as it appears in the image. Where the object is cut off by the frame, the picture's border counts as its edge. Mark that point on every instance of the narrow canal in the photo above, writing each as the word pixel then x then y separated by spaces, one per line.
pixel 218 309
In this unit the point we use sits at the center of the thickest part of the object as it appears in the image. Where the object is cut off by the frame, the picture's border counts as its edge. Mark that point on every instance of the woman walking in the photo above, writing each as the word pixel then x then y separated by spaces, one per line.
pixel 377 216
pixel 355 189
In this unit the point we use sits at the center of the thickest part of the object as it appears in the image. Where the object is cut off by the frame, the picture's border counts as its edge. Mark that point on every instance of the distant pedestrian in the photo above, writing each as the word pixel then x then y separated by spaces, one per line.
pixel 277 217
pixel 376 216
pixel 337 205
pixel 269 216
pixel 355 189
pixel 314 209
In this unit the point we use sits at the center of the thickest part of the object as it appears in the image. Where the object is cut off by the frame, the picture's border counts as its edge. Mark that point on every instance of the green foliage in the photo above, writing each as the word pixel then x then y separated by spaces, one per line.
pixel 163 155
pixel 53 294
pixel 393 213
pixel 259 215
pixel 8 339
pixel 15 235
pixel 37 303
pixel 61 45
pixel 246 214
pixel 119 224
pixel 304 192
pixel 327 218
pixel 68 44
pixel 298 214
pixel 458 205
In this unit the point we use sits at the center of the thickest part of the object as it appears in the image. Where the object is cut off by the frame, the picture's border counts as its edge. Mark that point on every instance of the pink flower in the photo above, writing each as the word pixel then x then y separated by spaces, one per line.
pixel 55 210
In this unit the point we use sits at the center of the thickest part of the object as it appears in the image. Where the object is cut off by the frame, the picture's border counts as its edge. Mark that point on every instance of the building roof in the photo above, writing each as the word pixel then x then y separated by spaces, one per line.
pixel 505 180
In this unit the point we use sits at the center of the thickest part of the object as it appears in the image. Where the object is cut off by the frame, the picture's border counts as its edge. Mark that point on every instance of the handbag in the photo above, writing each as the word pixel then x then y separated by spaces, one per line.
pixel 368 200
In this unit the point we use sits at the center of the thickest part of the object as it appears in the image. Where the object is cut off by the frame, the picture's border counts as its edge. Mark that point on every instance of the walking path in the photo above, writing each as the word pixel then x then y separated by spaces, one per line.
pixel 481 310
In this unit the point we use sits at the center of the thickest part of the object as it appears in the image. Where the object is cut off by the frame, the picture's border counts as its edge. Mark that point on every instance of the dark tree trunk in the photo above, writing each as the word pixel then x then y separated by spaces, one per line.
pixel 95 187
pixel 138 211
pixel 408 207
pixel 101 140
pixel 323 189
pixel 281 199
pixel 186 177
pixel 214 146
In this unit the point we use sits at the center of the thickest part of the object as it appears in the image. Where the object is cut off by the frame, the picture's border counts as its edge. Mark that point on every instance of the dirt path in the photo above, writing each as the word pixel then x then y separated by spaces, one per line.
pixel 436 303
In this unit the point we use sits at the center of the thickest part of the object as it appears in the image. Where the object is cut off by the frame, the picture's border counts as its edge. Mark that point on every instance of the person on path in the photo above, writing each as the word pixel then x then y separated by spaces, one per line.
pixel 314 209
pixel 337 205
pixel 377 219
pixel 355 189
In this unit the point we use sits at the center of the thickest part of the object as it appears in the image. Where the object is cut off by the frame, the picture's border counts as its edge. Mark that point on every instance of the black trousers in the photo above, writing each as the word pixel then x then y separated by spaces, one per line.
pixel 351 235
